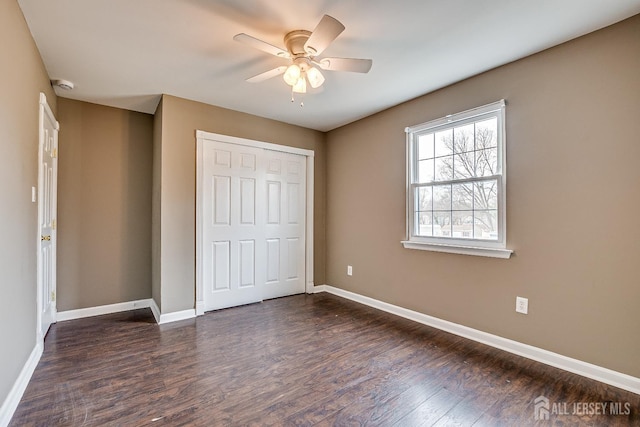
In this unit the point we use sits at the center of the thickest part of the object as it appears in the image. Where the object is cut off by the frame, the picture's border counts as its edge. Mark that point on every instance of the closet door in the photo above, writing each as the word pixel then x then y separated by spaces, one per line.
pixel 253 214
pixel 285 226
pixel 233 225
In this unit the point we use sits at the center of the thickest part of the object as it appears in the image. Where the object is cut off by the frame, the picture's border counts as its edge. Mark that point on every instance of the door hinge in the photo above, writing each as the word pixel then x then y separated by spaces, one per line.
pixel 53 295
pixel 54 153
pixel 53 224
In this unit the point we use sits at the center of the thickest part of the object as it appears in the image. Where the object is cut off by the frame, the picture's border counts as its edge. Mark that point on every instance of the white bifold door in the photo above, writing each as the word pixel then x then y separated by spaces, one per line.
pixel 252 204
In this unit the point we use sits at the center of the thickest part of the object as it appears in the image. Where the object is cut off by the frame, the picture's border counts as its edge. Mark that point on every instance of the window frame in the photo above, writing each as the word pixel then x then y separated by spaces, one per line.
pixel 483 247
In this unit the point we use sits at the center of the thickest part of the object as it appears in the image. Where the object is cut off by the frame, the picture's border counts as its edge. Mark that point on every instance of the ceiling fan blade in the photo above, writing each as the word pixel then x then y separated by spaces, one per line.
pixel 267 74
pixel 261 45
pixel 325 32
pixel 345 64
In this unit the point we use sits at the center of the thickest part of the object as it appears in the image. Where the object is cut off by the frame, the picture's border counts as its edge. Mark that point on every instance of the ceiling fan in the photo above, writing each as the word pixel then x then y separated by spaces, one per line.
pixel 304 49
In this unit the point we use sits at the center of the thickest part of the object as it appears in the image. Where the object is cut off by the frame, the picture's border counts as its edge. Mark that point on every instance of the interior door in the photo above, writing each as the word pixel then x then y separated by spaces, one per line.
pixel 47 208
pixel 285 226
pixel 232 224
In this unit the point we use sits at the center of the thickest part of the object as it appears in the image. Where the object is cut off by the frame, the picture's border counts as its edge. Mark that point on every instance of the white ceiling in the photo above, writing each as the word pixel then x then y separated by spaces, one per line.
pixel 125 53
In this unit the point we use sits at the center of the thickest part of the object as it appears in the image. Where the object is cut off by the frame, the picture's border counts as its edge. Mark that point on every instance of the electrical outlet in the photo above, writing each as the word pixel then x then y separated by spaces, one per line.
pixel 522 305
pixel 349 270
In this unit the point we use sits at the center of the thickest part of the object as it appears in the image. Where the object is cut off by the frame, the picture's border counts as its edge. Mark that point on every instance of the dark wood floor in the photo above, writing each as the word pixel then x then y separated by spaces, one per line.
pixel 302 360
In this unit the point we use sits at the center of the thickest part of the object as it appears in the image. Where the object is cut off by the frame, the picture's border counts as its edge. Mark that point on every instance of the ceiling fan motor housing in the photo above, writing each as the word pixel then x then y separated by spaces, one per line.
pixel 295 40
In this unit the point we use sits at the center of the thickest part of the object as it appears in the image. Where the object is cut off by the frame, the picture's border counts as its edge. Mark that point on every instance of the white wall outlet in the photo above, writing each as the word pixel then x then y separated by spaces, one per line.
pixel 522 305
pixel 349 270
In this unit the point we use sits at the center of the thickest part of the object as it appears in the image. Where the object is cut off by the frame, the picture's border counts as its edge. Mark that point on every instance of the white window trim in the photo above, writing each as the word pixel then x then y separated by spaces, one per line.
pixel 494 249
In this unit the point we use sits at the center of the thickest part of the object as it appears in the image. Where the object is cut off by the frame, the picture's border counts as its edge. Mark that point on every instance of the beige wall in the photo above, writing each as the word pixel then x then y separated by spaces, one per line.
pixel 180 120
pixel 20 64
pixel 104 205
pixel 156 238
pixel 573 144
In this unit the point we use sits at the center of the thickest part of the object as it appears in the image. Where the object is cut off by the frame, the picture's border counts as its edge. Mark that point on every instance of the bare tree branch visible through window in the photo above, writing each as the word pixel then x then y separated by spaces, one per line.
pixel 467 151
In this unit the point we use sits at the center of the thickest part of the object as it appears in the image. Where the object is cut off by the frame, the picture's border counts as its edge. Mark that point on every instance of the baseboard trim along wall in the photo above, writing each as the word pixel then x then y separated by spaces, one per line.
pixel 170 317
pixel 126 306
pixel 154 309
pixel 598 373
pixel 10 404
pixel 102 309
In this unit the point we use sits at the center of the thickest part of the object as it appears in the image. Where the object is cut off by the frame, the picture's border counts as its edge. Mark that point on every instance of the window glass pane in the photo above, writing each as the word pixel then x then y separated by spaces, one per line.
pixel 425 146
pixel 463 138
pixel 442 197
pixel 486 225
pixel 462 197
pixel 442 224
pixel 424 202
pixel 444 168
pixel 486 195
pixel 487 133
pixel 444 143
pixel 487 162
pixel 463 166
pixel 424 227
pixel 425 170
pixel 462 225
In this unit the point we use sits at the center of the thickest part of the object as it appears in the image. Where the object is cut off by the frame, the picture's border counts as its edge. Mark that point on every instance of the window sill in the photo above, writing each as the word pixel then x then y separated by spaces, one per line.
pixel 463 250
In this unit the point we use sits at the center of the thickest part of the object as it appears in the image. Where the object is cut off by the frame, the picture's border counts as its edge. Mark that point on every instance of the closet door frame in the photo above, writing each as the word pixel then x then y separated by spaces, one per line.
pixel 203 138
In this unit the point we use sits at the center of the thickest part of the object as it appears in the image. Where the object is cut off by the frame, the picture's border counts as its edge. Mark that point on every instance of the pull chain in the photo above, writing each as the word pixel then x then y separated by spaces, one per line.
pixel 293 99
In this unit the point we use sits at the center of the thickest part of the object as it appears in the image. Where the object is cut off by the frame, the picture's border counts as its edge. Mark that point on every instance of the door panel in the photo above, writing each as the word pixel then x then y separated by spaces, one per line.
pixel 231 222
pixel 247 263
pixel 247 201
pixel 273 203
pixel 222 200
pixel 254 224
pixel 273 260
pixel 221 266
pixel 286 178
pixel 292 262
pixel 47 208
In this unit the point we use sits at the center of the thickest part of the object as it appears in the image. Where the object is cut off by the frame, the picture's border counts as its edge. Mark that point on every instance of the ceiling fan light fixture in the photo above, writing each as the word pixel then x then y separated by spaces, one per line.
pixel 316 79
pixel 292 75
pixel 300 86
pixel 303 49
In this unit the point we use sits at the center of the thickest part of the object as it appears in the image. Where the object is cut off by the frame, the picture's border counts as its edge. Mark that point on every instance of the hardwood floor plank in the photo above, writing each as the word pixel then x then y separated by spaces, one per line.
pixel 306 360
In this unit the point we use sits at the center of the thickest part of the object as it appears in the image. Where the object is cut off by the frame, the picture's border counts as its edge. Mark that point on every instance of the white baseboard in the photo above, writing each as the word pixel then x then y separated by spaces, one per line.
pixel 176 316
pixel 102 309
pixel 598 373
pixel 155 310
pixel 126 306
pixel 15 394
pixel 170 317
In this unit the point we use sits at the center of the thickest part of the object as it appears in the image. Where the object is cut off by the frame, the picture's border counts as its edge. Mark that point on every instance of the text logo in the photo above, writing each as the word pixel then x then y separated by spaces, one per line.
pixel 541 408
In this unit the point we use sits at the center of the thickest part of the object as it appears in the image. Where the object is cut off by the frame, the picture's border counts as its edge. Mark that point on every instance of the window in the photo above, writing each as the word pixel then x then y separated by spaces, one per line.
pixel 456 183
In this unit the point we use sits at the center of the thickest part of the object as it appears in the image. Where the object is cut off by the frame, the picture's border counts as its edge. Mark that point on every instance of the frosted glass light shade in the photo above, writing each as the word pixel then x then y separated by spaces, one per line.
pixel 315 77
pixel 292 75
pixel 301 85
